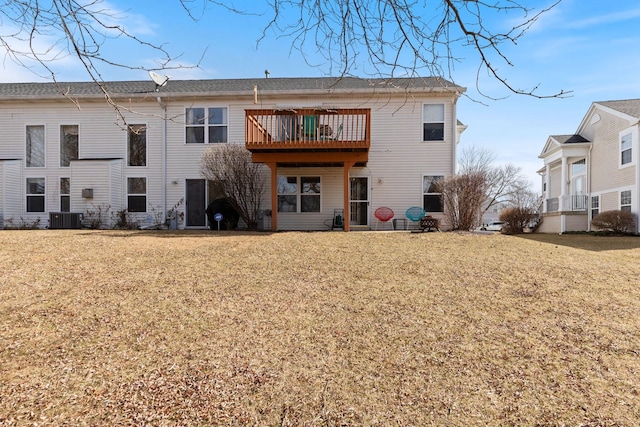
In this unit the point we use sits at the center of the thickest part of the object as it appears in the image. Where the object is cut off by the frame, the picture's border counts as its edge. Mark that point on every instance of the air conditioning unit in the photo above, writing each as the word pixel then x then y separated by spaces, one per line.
pixel 65 220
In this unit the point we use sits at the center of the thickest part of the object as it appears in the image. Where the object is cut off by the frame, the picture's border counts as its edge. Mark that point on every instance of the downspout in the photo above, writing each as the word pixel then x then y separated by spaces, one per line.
pixel 589 187
pixel 454 132
pixel 636 150
pixel 164 158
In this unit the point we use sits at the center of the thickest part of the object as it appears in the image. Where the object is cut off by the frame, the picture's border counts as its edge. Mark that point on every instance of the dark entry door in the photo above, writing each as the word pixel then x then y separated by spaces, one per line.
pixel 196 202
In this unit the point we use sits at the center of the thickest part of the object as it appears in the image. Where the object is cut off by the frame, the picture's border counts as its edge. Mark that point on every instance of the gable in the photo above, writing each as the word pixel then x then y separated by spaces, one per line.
pixel 626 110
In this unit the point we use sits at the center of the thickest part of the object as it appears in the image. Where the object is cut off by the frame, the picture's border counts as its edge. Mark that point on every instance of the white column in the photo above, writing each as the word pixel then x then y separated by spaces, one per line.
pixel 547 183
pixel 565 198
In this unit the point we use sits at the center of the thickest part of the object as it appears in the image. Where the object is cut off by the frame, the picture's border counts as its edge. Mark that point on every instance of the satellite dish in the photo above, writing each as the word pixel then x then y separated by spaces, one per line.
pixel 158 79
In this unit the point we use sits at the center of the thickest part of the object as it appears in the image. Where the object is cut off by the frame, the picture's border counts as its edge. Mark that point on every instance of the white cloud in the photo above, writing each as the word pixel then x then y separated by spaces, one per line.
pixel 609 18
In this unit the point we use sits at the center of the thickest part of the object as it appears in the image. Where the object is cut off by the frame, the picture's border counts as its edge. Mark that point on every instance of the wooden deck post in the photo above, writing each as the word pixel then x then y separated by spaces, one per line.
pixel 274 195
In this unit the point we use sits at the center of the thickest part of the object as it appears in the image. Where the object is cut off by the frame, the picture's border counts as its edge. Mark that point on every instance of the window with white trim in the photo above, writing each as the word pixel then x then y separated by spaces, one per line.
pixel 626 156
pixel 137 145
pixel 35 194
pixel 299 194
pixel 595 206
pixel 65 198
pixel 68 144
pixel 433 122
pixel 137 194
pixel 431 193
pixel 625 200
pixel 35 146
pixel 206 125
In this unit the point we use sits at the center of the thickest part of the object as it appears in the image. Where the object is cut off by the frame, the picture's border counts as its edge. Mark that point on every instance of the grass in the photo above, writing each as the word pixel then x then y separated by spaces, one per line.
pixel 318 329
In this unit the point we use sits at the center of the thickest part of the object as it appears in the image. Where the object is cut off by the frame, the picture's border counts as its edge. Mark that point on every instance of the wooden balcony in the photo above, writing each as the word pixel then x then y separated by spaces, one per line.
pixel 308 135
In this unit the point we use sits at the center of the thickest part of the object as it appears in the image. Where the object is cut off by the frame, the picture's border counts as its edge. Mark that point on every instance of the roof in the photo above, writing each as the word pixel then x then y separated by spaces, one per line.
pixel 630 107
pixel 225 87
pixel 569 139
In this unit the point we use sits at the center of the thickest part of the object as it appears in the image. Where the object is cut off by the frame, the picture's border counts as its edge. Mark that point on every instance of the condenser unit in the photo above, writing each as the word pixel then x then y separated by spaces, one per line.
pixel 59 220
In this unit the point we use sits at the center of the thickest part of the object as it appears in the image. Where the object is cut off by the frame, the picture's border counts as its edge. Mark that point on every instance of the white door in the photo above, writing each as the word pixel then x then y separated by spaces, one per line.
pixel 359 201
pixel 578 199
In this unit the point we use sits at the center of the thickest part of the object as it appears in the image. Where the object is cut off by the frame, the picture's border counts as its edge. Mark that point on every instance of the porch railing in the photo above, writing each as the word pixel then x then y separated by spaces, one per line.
pixel 576 203
pixel 319 129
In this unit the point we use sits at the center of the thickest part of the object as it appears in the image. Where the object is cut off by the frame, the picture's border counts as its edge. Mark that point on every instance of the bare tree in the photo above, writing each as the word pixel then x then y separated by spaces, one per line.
pixel 236 177
pixel 396 37
pixel 462 198
pixel 480 185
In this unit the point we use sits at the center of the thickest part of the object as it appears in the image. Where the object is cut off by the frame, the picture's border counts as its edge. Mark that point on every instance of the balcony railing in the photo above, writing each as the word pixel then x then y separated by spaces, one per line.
pixel 308 129
pixel 568 204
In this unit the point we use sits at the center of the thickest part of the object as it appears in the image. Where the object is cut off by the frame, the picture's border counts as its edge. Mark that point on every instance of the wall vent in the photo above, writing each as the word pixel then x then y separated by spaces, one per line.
pixel 65 220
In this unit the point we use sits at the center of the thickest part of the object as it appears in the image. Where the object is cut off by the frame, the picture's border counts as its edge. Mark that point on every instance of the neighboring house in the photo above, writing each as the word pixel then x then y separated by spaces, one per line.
pixel 331 147
pixel 593 170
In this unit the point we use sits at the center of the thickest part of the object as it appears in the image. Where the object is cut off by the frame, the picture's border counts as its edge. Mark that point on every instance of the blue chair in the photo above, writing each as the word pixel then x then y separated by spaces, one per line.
pixel 415 213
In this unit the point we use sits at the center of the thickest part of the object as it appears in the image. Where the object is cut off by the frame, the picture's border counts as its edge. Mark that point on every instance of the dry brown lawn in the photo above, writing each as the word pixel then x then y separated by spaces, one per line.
pixel 318 329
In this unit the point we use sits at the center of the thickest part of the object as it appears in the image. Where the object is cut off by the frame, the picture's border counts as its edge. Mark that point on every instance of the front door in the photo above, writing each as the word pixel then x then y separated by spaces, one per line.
pixel 196 202
pixel 359 201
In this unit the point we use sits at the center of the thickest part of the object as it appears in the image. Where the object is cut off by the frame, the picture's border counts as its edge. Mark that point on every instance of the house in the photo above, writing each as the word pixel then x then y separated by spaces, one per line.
pixel 593 170
pixel 330 147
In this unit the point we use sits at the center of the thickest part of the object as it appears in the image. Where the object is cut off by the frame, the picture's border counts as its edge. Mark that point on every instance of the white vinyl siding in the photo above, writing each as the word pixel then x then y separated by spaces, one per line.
pixel 10 199
pixel 397 156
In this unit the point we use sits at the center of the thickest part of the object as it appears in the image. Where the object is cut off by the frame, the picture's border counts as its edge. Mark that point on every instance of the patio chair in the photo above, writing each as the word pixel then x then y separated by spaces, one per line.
pixel 383 214
pixel 415 213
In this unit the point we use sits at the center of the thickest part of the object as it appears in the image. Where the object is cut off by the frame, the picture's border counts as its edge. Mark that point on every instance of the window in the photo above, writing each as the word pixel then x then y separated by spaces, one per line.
pixel 65 200
pixel 579 167
pixel 433 122
pixel 137 145
pixel 35 146
pixel 625 149
pixel 206 125
pixel 432 197
pixel 595 206
pixel 310 197
pixel 299 191
pixel 68 144
pixel 625 200
pixel 35 194
pixel 137 194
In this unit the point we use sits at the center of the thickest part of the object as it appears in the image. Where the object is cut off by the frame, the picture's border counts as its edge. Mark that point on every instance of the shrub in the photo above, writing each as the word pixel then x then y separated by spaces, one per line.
pixel 516 219
pixel 618 222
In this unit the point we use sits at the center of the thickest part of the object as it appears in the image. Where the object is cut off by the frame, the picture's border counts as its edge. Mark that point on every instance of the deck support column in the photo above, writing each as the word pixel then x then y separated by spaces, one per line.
pixel 346 167
pixel 274 195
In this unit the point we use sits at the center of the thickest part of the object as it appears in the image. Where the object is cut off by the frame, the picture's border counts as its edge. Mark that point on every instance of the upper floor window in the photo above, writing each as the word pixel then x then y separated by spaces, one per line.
pixel 625 149
pixel 68 144
pixel 137 145
pixel 303 192
pixel 433 122
pixel 625 200
pixel 206 125
pixel 431 193
pixel 35 194
pixel 137 194
pixel 35 146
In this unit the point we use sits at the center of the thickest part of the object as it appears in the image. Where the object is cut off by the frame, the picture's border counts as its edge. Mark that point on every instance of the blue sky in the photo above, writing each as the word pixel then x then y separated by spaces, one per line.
pixel 589 47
